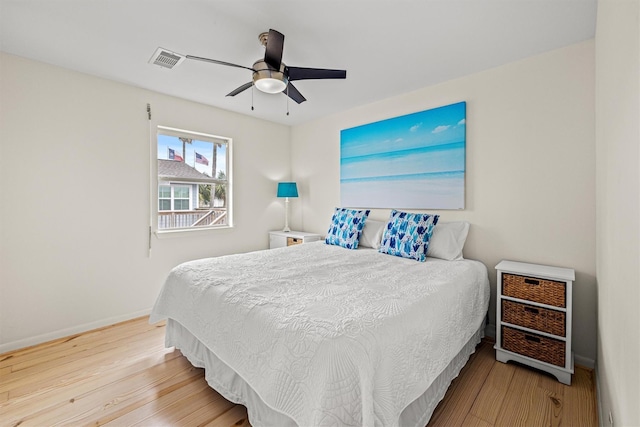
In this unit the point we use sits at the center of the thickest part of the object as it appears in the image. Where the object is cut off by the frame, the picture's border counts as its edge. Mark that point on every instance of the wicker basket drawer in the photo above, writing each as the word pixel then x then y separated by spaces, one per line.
pixel 538 318
pixel 535 346
pixel 543 291
pixel 294 241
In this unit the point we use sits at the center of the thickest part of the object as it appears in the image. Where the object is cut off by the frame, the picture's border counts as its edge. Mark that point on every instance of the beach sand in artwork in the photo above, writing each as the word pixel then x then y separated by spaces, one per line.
pixel 433 193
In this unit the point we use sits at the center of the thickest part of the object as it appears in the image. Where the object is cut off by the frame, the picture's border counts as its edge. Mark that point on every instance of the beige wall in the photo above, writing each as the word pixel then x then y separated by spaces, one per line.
pixel 618 209
pixel 74 191
pixel 530 183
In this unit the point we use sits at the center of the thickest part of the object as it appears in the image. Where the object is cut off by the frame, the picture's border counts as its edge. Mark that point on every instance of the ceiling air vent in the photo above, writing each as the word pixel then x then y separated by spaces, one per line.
pixel 166 58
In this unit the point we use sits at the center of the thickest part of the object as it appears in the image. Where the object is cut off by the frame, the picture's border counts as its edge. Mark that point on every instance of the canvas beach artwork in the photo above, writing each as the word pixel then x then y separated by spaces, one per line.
pixel 416 161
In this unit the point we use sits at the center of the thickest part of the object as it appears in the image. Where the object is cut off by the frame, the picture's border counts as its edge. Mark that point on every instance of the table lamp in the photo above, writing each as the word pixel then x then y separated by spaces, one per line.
pixel 286 190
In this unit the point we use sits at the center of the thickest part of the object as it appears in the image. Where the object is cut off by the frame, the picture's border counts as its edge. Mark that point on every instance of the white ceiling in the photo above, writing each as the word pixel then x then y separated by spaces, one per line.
pixel 387 47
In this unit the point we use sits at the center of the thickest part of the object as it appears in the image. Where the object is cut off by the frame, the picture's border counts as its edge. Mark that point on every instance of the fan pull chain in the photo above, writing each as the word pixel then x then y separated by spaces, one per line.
pixel 252 97
pixel 287 99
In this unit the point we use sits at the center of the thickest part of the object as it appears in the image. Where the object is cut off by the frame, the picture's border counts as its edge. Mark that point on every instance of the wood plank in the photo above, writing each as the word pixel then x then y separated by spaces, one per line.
pixel 234 417
pixel 123 375
pixel 136 404
pixel 550 383
pixel 473 421
pixel 552 394
pixel 207 413
pixel 122 407
pixel 453 409
pixel 580 399
pixel 107 374
pixel 482 349
pixel 22 370
pixel 149 337
pixel 549 407
pixel 106 339
pixel 102 395
pixel 67 390
pixel 66 374
pixel 30 379
pixel 95 335
pixel 519 403
pixel 140 414
pixel 544 399
pixel 176 412
pixel 489 400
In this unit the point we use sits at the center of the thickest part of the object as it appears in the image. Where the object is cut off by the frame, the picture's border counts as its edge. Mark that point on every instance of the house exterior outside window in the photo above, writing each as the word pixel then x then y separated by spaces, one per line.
pixel 193 181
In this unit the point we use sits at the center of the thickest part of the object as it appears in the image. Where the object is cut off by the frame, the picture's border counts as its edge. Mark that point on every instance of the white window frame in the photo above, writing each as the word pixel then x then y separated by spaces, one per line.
pixel 171 232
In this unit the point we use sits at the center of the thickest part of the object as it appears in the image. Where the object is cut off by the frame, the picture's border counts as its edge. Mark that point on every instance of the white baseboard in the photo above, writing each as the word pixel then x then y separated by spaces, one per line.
pixel 50 336
pixel 584 361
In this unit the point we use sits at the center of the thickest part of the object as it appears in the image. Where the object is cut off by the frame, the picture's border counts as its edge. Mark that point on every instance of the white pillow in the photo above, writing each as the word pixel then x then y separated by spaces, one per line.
pixel 447 240
pixel 372 234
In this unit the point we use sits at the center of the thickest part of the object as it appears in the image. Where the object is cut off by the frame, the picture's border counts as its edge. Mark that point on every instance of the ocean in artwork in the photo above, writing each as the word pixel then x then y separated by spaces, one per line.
pixel 416 161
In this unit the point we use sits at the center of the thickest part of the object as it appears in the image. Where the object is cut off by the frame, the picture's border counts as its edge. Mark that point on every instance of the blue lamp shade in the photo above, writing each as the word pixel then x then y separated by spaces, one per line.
pixel 287 189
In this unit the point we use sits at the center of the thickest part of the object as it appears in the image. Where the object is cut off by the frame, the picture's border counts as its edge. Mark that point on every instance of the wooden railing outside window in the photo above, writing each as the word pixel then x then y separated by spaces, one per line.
pixel 188 219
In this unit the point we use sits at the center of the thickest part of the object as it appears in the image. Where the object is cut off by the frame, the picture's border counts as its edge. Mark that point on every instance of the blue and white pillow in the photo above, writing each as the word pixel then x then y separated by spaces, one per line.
pixel 407 234
pixel 346 227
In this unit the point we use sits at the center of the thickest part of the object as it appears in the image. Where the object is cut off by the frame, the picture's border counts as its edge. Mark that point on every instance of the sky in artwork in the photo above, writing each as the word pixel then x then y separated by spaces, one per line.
pixel 443 125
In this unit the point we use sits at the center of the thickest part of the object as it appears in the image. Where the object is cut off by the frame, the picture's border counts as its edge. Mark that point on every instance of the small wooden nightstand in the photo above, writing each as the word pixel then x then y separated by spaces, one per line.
pixel 280 239
pixel 534 309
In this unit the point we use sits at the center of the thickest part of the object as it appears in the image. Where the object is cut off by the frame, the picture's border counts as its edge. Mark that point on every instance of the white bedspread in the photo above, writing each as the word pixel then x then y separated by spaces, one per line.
pixel 326 335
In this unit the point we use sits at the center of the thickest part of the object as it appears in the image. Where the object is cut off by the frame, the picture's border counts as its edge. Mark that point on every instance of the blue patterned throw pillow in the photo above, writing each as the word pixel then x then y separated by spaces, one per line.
pixel 407 234
pixel 346 227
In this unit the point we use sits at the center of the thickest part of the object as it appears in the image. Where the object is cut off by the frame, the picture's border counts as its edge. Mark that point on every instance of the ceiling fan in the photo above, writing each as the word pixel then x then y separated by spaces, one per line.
pixel 270 75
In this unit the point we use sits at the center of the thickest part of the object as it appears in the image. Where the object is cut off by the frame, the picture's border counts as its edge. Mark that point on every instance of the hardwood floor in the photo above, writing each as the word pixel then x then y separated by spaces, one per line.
pixel 122 375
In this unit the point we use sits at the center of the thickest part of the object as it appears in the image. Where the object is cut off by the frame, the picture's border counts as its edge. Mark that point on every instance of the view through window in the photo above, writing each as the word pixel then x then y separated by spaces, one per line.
pixel 193 180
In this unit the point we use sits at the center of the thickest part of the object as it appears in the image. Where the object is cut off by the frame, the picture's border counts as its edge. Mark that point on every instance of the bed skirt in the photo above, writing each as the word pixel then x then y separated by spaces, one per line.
pixel 235 389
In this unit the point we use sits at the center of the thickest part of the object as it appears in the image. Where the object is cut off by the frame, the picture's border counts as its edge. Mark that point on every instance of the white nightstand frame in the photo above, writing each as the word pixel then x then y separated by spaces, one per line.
pixel 278 239
pixel 566 275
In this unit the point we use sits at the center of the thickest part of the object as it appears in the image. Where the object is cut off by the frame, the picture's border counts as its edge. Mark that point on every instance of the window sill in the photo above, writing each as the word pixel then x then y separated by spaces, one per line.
pixel 185 232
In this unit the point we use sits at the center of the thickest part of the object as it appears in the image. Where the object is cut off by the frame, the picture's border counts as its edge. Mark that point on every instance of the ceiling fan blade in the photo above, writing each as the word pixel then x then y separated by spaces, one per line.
pixel 240 89
pixel 215 61
pixel 301 73
pixel 274 48
pixel 294 94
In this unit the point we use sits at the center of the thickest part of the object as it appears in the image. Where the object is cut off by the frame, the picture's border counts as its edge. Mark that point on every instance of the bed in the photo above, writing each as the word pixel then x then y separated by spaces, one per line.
pixel 319 335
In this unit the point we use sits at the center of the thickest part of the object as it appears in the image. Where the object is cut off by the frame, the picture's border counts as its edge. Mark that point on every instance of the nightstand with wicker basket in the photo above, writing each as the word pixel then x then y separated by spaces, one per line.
pixel 534 307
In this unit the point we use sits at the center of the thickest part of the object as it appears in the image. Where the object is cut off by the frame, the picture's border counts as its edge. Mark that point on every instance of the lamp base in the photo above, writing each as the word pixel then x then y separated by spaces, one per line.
pixel 286 228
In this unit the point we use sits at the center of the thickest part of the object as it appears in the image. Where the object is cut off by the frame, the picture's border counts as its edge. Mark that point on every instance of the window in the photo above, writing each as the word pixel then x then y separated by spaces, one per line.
pixel 173 197
pixel 180 198
pixel 193 185
pixel 164 198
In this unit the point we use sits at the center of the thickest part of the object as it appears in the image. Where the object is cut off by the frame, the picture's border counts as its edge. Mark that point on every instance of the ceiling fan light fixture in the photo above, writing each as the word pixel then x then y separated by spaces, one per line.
pixel 269 80
pixel 270 85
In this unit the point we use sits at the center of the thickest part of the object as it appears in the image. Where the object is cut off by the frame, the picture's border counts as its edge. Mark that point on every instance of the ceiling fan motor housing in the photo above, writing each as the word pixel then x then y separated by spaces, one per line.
pixel 268 79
